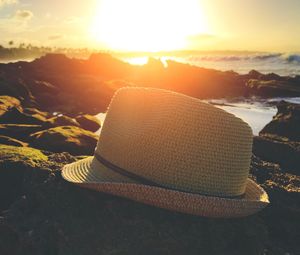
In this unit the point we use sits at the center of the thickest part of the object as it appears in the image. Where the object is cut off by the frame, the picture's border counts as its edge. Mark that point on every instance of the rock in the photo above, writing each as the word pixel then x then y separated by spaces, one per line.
pixel 22 168
pixel 52 207
pixel 269 88
pixel 253 74
pixel 13 85
pixel 36 113
pixel 71 139
pixel 11 141
pixel 274 149
pixel 49 206
pixel 281 217
pixel 154 64
pixel 14 161
pixel 107 66
pixel 89 122
pixel 9 241
pixel 41 87
pixel 286 122
pixel 17 116
pixel 57 83
pixel 11 112
pixel 63 121
pixel 271 76
pixel 7 103
pixel 19 131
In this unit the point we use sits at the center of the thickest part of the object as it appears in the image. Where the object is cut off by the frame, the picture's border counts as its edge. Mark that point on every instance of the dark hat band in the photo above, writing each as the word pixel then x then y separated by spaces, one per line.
pixel 145 181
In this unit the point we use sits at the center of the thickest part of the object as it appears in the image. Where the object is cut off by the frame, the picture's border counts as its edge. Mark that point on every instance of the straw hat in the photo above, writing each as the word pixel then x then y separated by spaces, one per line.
pixel 172 151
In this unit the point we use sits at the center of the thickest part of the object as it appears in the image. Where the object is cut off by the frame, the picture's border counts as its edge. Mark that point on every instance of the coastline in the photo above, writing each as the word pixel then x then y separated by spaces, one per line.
pixel 42 214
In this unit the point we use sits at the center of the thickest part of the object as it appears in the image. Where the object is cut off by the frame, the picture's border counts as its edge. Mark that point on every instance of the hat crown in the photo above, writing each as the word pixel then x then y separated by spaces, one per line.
pixel 177 141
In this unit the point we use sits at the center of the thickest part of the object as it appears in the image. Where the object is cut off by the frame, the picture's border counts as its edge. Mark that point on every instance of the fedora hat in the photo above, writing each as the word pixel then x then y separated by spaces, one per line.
pixel 172 151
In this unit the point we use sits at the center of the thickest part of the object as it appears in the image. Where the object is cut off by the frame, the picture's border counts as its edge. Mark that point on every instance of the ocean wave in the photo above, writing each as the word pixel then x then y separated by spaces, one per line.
pixel 293 58
pixel 267 56
pixel 280 58
pixel 231 58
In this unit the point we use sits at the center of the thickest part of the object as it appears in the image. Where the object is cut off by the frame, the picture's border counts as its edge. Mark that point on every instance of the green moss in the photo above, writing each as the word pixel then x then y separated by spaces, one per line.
pixel 29 156
pixel 7 102
pixel 74 140
pixel 70 132
pixel 11 141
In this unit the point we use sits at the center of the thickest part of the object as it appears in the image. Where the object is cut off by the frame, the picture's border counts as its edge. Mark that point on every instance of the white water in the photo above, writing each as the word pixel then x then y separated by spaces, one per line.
pixel 256 112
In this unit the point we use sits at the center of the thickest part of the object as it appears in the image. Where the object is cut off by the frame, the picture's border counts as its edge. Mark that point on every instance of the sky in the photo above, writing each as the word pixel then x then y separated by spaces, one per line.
pixel 154 25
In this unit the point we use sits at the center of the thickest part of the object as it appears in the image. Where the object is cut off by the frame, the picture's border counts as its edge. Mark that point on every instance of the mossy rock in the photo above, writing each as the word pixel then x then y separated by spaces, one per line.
pixel 19 131
pixel 36 113
pixel 11 141
pixel 28 156
pixel 74 140
pixel 74 221
pixel 14 162
pixel 17 116
pixel 281 217
pixel 89 122
pixel 21 168
pixel 7 103
pixel 63 121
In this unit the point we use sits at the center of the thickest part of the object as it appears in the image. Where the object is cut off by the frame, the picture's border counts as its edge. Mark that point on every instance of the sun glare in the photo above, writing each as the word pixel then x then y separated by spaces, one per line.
pixel 146 25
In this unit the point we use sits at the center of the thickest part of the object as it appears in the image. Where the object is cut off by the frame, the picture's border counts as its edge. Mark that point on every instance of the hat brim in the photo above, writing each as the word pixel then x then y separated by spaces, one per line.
pixel 90 173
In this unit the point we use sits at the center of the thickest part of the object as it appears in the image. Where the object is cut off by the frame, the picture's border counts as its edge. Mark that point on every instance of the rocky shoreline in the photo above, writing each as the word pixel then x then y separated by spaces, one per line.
pixel 46 121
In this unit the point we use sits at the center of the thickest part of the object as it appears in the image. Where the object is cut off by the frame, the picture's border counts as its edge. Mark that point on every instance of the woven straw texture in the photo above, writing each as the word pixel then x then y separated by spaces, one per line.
pixel 179 143
pixel 91 174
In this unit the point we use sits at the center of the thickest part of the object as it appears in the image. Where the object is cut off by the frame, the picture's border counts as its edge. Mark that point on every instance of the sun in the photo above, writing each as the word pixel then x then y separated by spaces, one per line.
pixel 146 25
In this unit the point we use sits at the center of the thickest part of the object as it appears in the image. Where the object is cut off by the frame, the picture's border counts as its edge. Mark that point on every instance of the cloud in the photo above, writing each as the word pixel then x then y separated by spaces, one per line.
pixel 55 37
pixel 7 2
pixel 23 15
pixel 16 23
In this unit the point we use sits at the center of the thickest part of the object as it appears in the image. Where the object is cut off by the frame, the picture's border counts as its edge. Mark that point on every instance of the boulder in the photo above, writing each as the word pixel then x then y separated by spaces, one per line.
pixel 271 76
pixel 269 88
pixel 74 140
pixel 41 87
pixel 63 120
pixel 14 161
pixel 89 122
pixel 277 150
pixel 253 74
pixel 11 141
pixel 17 116
pixel 24 167
pixel 19 131
pixel 286 122
pixel 37 113
pixel 281 217
pixel 48 206
pixel 13 85
pixel 73 220
pixel 9 241
pixel 7 103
